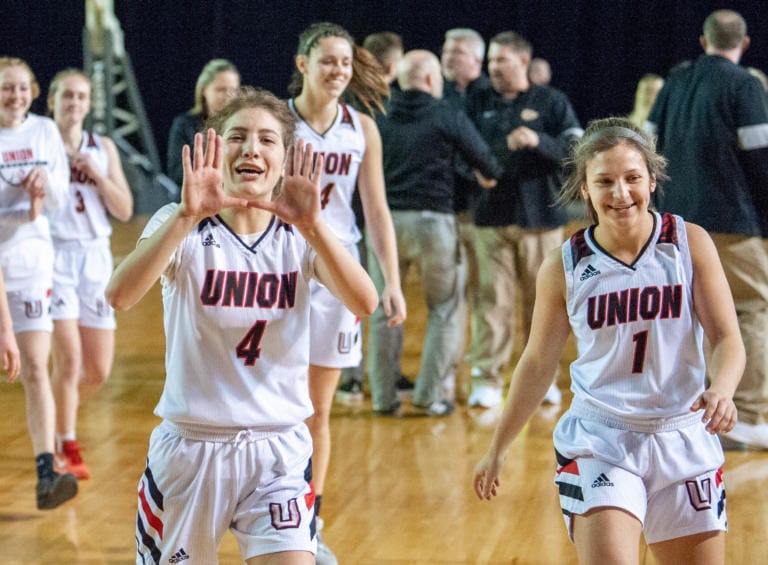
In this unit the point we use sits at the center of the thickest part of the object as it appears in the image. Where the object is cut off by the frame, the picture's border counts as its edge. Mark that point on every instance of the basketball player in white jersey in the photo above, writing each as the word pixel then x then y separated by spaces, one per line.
pixel 637 450
pixel 83 322
pixel 329 66
pixel 33 184
pixel 235 259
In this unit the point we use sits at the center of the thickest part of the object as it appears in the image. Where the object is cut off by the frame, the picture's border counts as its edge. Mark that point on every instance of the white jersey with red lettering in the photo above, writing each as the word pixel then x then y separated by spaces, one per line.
pixel 237 327
pixel 84 216
pixel 343 147
pixel 640 344
pixel 25 247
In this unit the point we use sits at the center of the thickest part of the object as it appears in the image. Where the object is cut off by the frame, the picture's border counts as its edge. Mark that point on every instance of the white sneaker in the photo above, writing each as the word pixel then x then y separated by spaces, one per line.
pixel 553 396
pixel 324 555
pixel 484 396
pixel 753 436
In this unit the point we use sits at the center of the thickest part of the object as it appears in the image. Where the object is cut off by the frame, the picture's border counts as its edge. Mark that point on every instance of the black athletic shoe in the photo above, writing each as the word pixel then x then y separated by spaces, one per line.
pixel 55 490
pixel 404 383
pixel 350 392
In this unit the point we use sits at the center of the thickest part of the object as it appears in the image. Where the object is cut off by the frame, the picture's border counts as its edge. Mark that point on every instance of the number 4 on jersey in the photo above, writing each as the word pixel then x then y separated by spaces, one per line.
pixel 248 348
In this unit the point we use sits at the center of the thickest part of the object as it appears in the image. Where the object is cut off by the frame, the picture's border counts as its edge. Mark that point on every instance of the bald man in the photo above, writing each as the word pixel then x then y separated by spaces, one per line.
pixel 421 134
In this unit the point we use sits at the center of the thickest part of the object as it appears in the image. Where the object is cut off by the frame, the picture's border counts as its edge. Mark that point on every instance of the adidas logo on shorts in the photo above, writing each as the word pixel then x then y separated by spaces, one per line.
pixel 602 481
pixel 179 556
pixel 590 271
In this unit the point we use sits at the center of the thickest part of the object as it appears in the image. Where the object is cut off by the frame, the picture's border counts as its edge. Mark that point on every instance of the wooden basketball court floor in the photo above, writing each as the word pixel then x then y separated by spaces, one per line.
pixel 399 490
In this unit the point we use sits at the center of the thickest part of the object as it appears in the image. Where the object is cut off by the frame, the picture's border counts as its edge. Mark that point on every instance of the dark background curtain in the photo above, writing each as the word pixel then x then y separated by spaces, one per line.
pixel 598 49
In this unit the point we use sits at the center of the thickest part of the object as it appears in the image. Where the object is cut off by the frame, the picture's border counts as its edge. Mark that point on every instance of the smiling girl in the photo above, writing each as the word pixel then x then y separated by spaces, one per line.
pixel 84 324
pixel 33 182
pixel 637 451
pixel 235 259
pixel 330 66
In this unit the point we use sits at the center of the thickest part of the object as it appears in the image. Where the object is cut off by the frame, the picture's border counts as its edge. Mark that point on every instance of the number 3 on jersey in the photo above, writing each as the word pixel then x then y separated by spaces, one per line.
pixel 249 347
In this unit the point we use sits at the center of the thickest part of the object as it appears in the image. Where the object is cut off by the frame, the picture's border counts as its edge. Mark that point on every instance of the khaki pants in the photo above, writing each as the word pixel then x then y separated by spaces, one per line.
pixel 745 262
pixel 508 260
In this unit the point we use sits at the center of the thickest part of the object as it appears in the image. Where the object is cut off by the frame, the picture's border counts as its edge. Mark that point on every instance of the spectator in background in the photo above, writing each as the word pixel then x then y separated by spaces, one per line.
pixel 711 120
pixel 462 63
pixel 387 48
pixel 648 88
pixel 539 72
pixel 420 135
pixel 530 129
pixel 217 82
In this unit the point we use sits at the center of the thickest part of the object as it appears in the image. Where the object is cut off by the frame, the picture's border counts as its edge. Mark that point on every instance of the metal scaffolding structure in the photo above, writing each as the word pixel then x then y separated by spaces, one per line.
pixel 117 108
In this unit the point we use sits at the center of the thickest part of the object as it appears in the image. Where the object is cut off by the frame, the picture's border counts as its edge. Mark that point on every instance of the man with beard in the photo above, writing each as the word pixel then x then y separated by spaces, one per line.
pixel 530 129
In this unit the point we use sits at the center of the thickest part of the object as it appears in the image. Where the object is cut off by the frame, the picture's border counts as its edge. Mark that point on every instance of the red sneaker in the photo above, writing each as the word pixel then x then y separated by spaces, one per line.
pixel 70 461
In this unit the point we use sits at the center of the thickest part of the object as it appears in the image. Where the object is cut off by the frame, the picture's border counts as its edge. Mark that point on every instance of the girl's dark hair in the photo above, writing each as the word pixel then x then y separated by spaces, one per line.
pixel 602 135
pixel 367 87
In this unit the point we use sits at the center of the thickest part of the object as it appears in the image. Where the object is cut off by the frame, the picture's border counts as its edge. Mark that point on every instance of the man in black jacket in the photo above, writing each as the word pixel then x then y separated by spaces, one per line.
pixel 712 124
pixel 530 129
pixel 420 136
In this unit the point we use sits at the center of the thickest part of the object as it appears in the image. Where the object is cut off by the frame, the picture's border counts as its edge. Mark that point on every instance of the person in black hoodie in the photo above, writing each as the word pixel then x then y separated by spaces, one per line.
pixel 421 135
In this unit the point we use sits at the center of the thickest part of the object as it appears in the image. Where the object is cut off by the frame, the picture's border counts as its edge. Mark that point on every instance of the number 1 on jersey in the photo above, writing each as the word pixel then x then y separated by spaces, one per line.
pixel 248 348
pixel 641 343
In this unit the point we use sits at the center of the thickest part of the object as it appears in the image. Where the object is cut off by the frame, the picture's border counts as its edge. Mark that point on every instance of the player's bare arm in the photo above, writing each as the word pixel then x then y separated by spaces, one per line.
pixel 113 187
pixel 201 196
pixel 378 221
pixel 533 373
pixel 718 318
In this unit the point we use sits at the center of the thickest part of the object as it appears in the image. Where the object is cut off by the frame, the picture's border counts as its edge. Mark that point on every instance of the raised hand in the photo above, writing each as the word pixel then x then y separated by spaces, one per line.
pixel 298 202
pixel 202 192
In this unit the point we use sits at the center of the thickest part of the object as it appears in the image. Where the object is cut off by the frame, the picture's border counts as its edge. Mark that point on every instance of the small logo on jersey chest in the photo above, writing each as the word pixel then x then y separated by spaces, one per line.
pixel 209 241
pixel 590 271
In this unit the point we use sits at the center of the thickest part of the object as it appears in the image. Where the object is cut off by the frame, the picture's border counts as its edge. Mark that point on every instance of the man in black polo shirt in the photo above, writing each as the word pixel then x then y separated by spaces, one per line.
pixel 711 120
pixel 530 129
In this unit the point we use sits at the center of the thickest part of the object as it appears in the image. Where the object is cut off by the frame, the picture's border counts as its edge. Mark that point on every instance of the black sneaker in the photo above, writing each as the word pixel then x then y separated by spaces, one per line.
pixel 351 392
pixel 55 490
pixel 438 408
pixel 404 387
pixel 404 383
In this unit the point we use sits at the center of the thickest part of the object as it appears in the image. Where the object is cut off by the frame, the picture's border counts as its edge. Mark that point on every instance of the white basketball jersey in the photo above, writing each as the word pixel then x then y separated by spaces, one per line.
pixel 343 147
pixel 35 143
pixel 237 327
pixel 84 215
pixel 639 341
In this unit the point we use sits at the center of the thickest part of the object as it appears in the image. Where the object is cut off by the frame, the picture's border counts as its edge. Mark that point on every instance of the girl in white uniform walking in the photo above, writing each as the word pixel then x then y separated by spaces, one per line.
pixel 637 451
pixel 33 184
pixel 235 258
pixel 330 66
pixel 83 322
